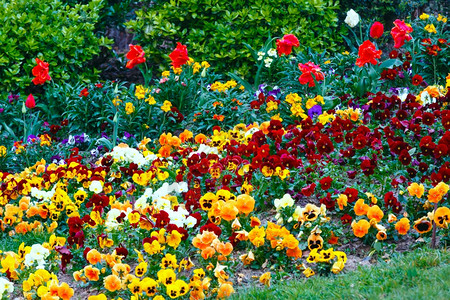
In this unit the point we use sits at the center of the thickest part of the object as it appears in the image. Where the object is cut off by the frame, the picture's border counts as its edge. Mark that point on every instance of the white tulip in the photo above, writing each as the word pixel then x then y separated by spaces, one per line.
pixel 352 18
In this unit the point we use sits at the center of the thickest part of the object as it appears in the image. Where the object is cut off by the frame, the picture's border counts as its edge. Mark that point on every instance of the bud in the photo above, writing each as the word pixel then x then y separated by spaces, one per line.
pixel 30 103
pixel 24 109
pixel 203 74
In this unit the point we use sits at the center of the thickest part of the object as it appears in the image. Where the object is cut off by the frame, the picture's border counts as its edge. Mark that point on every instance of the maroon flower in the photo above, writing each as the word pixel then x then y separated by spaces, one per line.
pixel 325 183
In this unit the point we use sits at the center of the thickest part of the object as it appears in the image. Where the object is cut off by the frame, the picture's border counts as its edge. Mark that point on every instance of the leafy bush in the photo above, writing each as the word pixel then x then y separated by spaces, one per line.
pixel 61 35
pixel 216 30
pixel 385 11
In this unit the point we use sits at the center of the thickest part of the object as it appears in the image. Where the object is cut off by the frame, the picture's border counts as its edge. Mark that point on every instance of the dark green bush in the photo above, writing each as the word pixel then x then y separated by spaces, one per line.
pixel 56 33
pixel 385 11
pixel 216 29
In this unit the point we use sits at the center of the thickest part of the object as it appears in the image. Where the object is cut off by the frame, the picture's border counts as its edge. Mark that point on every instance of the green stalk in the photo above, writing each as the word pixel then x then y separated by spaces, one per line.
pixel 116 127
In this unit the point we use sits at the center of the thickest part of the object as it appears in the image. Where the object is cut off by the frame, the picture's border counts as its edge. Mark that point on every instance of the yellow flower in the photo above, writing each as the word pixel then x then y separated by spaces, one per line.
pixel 430 28
pixel 327 62
pixel 174 239
pixel 337 267
pixel 140 92
pixel 345 53
pixel 150 100
pixel 2 151
pixel 424 16
pixel 271 105
pixel 116 101
pixel 265 279
pixel 416 190
pixel 308 272
pixel 166 106
pixel 129 108
pixel 205 64
pixel 165 74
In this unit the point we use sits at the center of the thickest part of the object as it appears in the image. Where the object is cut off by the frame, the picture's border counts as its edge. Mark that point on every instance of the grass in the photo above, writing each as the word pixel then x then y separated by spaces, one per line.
pixel 8 243
pixel 420 274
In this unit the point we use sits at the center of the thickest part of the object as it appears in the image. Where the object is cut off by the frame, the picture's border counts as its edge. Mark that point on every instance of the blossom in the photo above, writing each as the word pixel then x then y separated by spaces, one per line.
pixel 179 56
pixel 30 102
pixel 367 53
pixel 430 28
pixel 376 30
pixel 129 108
pixel 352 18
pixel 310 71
pixel 415 189
pixel 284 46
pixel 402 226
pixel 40 71
pixel 360 228
pixel 135 56
pixel 112 283
pixel 400 32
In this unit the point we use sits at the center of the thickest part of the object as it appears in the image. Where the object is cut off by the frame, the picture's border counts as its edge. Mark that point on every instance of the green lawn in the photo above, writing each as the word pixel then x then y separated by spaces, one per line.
pixel 421 274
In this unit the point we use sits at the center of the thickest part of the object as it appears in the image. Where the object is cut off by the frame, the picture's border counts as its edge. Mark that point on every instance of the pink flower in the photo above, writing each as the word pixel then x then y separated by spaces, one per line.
pixel 400 33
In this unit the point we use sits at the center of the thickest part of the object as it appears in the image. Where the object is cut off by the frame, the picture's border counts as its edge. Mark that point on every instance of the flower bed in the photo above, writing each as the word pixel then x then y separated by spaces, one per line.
pixel 270 180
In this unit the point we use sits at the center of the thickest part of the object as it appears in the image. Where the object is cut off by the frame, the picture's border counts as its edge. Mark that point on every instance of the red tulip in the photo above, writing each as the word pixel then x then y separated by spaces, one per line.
pixel 179 56
pixel 376 31
pixel 367 54
pixel 30 103
pixel 284 46
pixel 40 71
pixel 135 56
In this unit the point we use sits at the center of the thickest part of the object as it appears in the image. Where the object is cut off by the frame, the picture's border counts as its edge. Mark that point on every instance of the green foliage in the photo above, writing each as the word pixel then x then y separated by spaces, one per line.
pixel 217 30
pixel 60 35
pixel 385 11
pixel 422 274
pixel 113 13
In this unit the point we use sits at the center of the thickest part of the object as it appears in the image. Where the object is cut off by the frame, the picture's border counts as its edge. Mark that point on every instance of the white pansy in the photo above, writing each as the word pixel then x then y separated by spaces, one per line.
pixel 284 202
pixel 37 255
pixel 141 202
pixel 181 187
pixel 352 18
pixel 190 222
pixel 96 186
pixel 205 149
pixel 111 219
pixel 5 285
pixel 162 203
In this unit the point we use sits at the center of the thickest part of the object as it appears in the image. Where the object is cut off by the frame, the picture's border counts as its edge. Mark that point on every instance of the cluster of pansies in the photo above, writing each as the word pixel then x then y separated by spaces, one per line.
pixel 180 215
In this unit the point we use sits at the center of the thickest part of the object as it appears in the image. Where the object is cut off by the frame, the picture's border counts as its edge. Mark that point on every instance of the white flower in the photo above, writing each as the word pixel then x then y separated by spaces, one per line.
pixel 111 219
pixel 162 203
pixel 177 218
pixel 5 285
pixel 190 222
pixel 96 186
pixel 284 202
pixel 272 52
pixel 352 18
pixel 403 93
pixel 37 254
pixel 181 187
pixel 261 55
pixel 268 62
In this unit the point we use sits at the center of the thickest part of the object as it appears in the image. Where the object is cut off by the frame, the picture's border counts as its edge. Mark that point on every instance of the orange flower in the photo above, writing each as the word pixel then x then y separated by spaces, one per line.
pixel 186 135
pixel 442 188
pixel 442 217
pixel 200 138
pixel 265 279
pixel 416 190
pixel 245 203
pixel 342 201
pixel 360 228
pixel 333 240
pixel 381 235
pixel 296 252
pixel 254 221
pixel 402 226
pixel 208 252
pixel 93 256
pixel 112 283
pixel 164 151
pixel 360 207
pixel 91 273
pixel 374 212
pixel 229 211
pixel 225 290
pixel 224 249
pixel 65 291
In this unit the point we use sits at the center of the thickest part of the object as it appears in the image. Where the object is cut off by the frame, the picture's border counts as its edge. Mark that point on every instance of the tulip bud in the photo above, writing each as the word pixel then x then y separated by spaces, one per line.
pixel 24 109
pixel 30 103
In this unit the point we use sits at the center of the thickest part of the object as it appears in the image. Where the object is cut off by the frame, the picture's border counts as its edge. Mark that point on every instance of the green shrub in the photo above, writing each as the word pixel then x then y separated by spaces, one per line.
pixel 61 35
pixel 216 29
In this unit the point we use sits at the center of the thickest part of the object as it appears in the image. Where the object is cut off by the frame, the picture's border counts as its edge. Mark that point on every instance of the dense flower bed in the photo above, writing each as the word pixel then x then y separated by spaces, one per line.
pixel 185 214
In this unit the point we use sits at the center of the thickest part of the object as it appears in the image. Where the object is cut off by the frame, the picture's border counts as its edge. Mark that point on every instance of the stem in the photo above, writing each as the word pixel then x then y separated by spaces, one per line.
pixel 116 127
pixel 434 70
pixel 433 237
pixel 360 31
